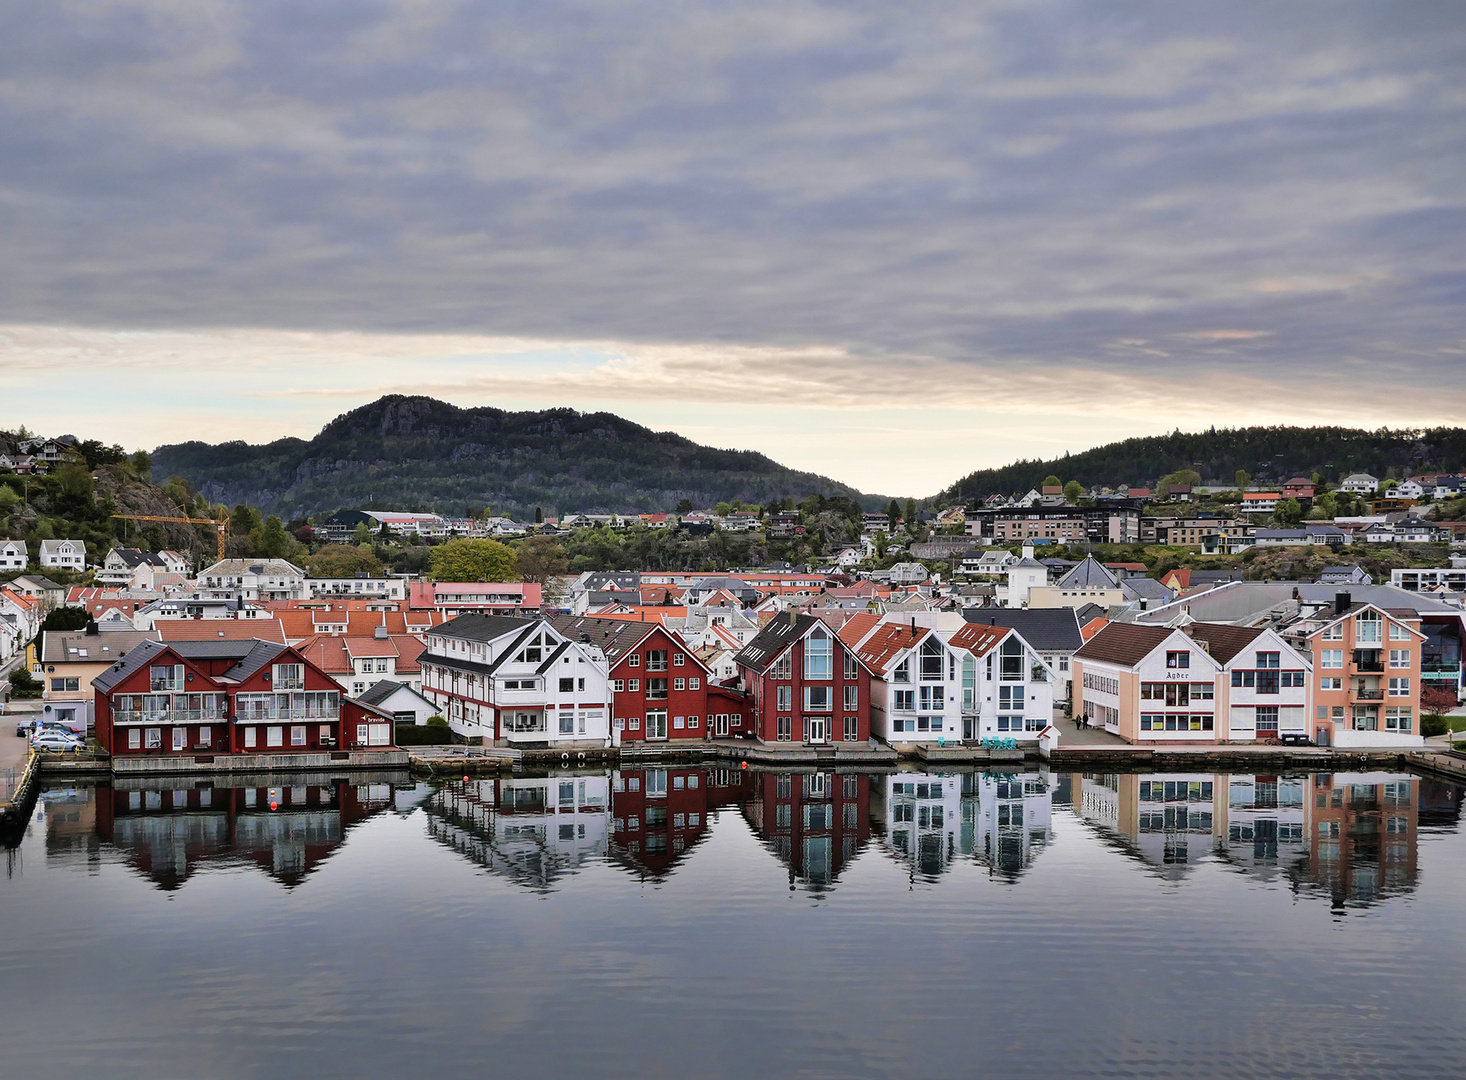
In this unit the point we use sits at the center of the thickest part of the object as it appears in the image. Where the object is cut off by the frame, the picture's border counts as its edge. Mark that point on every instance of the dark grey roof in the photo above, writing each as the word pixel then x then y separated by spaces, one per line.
pixel 1089 575
pixel 614 637
pixel 612 581
pixel 1046 629
pixel 380 691
pixel 262 653
pixel 1148 588
pixel 135 659
pixel 783 629
pixel 57 646
pixel 474 626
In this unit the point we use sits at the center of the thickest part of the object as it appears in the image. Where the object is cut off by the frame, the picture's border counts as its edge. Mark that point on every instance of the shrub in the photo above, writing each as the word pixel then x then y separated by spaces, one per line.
pixel 23 685
pixel 427 735
pixel 1433 724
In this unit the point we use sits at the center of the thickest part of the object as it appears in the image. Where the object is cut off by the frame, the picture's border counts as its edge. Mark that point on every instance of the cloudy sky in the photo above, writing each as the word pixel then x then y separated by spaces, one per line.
pixel 887 242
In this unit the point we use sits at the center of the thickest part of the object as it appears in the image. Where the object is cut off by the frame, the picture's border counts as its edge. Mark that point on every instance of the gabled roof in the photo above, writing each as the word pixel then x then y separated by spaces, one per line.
pixel 1224 642
pixel 1126 644
pixel 1045 629
pixel 263 653
pixel 1089 574
pixel 474 626
pixel 857 628
pixel 614 637
pixel 84 648
pixel 886 642
pixel 383 689
pixel 147 652
pixel 979 640
pixel 768 644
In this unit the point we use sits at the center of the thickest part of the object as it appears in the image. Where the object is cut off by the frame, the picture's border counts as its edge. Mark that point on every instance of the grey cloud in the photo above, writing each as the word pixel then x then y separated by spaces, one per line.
pixel 1029 184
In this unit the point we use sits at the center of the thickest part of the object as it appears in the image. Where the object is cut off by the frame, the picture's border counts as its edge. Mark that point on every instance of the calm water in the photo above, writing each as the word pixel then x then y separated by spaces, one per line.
pixel 715 923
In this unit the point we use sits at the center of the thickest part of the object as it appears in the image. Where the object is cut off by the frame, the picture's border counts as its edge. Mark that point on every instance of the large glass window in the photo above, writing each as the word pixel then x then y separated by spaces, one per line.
pixel 819 655
pixel 288 677
pixel 1011 657
pixel 931 660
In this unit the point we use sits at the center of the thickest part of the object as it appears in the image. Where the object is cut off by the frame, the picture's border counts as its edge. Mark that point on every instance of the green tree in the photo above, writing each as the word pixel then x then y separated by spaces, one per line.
pixel 67 618
pixel 344 560
pixel 1288 513
pixel 75 485
pixel 722 509
pixel 361 534
pixel 1242 479
pixel 274 541
pixel 893 514
pixel 472 560
pixel 1051 481
pixel 142 463
pixel 539 558
pixel 1180 476
pixel 539 515
pixel 684 506
pixel 910 513
pixel 1073 490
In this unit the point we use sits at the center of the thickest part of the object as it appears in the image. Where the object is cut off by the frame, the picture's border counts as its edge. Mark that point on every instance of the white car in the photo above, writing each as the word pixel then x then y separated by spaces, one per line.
pixel 56 740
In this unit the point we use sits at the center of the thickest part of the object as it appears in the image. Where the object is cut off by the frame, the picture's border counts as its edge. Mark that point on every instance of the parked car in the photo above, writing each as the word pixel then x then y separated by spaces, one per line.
pixel 56 740
pixel 24 728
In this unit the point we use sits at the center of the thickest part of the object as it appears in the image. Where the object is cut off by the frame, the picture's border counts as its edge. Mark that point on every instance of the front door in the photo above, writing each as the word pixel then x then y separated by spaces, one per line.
pixel 656 724
pixel 720 724
pixel 817 727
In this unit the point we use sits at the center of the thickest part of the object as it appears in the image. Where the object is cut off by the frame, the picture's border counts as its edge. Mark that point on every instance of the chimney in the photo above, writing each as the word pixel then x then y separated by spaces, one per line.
pixel 92 628
pixel 1028 551
pixel 1341 602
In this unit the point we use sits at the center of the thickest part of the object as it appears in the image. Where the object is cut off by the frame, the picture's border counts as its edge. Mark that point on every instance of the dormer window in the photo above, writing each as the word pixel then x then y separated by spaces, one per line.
pixel 1178 661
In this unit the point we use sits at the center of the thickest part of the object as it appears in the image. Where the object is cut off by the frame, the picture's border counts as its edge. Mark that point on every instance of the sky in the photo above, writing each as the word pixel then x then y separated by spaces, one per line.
pixel 890 243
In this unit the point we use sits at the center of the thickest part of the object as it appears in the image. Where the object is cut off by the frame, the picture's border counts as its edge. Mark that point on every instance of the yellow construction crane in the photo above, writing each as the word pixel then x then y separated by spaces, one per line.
pixel 221 526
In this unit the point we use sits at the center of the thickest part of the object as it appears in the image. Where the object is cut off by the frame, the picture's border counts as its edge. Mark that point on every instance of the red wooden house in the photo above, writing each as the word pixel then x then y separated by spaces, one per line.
pixel 803 683
pixel 660 689
pixel 228 697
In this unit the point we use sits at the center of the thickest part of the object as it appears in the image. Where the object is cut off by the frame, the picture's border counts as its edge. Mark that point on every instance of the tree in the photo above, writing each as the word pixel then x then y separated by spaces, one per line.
pixel 344 560
pixel 722 509
pixel 1288 513
pixel 910 513
pixel 67 618
pixel 539 558
pixel 1243 478
pixel 142 463
pixel 1051 481
pixel 472 560
pixel 76 485
pixel 1073 490
pixel 893 514
pixel 305 534
pixel 274 541
pixel 361 534
pixel 684 506
pixel 24 685
pixel 539 515
pixel 1180 476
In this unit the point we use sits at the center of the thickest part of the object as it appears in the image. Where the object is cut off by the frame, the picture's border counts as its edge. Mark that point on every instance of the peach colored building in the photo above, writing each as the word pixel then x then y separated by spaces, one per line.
pixel 1367 662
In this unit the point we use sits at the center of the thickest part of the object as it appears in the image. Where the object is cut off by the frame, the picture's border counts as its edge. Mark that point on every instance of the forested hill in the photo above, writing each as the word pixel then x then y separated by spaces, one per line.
pixel 1267 453
pixel 417 453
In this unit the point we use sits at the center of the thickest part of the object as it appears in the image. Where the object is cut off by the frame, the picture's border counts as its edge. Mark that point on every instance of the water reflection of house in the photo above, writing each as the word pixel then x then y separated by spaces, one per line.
pixel 1001 820
pixel 1352 837
pixel 814 822
pixel 71 826
pixel 1365 836
pixel 658 815
pixel 532 830
pixel 1006 820
pixel 287 825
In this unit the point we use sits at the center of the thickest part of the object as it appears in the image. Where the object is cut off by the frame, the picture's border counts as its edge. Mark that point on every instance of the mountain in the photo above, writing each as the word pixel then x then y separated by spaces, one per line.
pixel 417 453
pixel 1267 453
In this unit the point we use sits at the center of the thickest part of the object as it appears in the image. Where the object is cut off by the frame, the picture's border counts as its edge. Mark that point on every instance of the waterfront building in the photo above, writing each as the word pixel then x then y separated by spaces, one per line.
pixel 1202 682
pixel 1368 661
pixel 514 681
pixel 804 683
pixel 185 698
pixel 660 687
pixel 950 680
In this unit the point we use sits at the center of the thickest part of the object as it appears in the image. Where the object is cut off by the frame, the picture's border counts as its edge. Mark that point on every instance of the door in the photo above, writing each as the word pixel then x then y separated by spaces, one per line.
pixel 656 724
pixel 969 728
pixel 720 724
pixel 817 727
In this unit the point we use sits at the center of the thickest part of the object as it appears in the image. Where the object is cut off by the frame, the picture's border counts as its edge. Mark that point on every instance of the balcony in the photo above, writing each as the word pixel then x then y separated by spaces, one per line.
pixel 1367 660
pixel 1360 694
